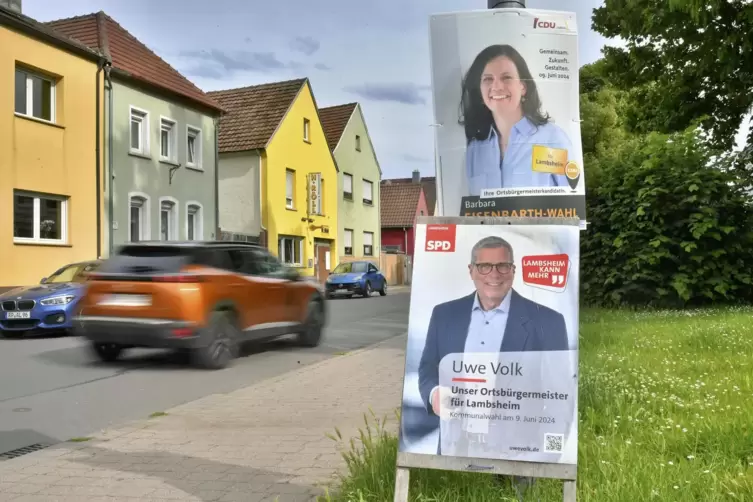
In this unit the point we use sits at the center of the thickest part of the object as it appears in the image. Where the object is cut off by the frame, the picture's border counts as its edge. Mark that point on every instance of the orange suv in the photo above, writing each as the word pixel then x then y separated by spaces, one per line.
pixel 205 297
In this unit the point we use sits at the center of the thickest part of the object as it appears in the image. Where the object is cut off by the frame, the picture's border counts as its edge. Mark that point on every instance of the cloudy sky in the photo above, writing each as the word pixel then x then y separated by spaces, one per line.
pixel 376 53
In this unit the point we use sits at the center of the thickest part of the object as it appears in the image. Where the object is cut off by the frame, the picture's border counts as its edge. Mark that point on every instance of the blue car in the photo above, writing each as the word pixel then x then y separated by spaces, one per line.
pixel 49 306
pixel 356 277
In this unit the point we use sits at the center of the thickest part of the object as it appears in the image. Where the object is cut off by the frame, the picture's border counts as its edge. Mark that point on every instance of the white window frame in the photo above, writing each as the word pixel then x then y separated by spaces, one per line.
pixel 197 209
pixel 370 185
pixel 370 245
pixel 347 195
pixel 145 203
pixel 306 130
pixel 172 231
pixel 281 249
pixel 30 94
pixel 290 197
pixel 197 134
pixel 172 138
pixel 348 236
pixel 144 143
pixel 63 218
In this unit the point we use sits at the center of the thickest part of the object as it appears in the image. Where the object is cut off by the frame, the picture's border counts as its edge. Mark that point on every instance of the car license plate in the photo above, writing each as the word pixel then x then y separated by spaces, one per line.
pixel 126 300
pixel 18 315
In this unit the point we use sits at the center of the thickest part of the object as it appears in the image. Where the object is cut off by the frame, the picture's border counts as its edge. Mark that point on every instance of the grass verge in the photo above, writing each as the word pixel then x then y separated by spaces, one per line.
pixel 665 414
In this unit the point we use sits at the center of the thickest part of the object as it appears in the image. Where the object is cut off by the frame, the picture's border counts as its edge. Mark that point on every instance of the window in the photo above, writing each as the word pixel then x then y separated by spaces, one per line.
pixel 261 262
pixel 194 228
pixel 168 219
pixel 306 130
pixel 368 192
pixel 35 95
pixel 139 132
pixel 358 143
pixel 347 186
pixel 39 218
pixel 138 218
pixel 289 188
pixel 167 140
pixel 193 146
pixel 368 244
pixel 348 242
pixel 291 250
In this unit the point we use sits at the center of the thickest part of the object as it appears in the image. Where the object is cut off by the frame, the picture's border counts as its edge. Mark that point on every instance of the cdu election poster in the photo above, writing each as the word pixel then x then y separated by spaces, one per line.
pixel 505 97
pixel 491 366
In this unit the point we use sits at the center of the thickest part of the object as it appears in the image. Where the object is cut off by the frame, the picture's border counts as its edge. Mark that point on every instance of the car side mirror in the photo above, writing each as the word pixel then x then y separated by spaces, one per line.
pixel 44 279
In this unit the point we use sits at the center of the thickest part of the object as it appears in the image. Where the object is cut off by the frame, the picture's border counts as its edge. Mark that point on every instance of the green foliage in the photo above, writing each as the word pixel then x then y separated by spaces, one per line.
pixel 685 61
pixel 670 225
pixel 663 417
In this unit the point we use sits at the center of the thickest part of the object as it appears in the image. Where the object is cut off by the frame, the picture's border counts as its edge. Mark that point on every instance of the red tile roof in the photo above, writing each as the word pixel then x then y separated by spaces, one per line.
pixel 429 184
pixel 254 113
pixel 398 204
pixel 129 56
pixel 334 119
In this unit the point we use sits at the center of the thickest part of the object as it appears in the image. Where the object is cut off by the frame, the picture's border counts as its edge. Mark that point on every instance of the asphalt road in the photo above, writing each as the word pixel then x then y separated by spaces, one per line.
pixel 52 390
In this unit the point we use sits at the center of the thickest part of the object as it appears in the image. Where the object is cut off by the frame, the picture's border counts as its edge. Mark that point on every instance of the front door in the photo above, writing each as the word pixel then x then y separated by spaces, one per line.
pixel 322 262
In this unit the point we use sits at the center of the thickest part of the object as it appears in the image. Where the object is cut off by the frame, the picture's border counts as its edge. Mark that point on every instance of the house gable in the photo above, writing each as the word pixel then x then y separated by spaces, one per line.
pixel 131 59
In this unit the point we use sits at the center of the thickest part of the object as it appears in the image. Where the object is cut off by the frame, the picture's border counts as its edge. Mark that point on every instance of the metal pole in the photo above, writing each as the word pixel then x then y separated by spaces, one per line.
pixel 506 4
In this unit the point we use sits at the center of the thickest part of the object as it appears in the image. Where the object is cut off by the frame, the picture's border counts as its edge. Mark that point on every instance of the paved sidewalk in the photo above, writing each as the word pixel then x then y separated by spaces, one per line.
pixel 265 442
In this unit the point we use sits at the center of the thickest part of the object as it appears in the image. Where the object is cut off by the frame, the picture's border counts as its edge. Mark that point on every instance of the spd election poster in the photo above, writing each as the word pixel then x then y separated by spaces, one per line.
pixel 492 351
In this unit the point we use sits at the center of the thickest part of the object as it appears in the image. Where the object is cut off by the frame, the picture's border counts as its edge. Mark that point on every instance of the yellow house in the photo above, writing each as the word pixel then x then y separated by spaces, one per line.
pixel 50 183
pixel 277 174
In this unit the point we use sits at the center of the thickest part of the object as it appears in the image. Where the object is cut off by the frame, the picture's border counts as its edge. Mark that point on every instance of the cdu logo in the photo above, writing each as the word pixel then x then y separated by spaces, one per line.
pixel 572 172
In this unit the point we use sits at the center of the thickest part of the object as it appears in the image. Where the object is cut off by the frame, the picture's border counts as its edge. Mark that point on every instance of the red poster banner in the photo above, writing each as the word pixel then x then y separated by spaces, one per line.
pixel 546 270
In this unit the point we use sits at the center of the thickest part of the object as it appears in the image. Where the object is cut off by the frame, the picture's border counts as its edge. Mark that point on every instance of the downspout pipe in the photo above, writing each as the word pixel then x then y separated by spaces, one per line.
pixel 110 174
pixel 98 162
pixel 217 231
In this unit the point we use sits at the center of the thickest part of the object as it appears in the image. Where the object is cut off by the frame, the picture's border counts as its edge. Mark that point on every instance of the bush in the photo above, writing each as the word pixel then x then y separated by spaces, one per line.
pixel 669 225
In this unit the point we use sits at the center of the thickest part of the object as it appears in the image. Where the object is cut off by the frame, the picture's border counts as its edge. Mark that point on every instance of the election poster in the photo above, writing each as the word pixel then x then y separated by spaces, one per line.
pixel 506 108
pixel 491 366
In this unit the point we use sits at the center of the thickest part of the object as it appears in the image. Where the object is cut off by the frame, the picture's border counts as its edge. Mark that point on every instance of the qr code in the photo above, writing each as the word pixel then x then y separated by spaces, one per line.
pixel 553 442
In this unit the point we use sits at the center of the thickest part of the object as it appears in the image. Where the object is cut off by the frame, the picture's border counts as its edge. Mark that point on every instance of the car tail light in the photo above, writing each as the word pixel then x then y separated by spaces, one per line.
pixel 182 332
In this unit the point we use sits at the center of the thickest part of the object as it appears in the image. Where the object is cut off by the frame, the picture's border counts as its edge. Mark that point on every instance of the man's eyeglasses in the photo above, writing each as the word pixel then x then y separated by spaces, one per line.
pixel 502 268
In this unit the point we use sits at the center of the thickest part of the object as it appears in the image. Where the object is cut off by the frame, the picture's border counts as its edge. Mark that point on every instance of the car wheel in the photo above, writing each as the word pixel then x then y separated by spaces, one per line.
pixel 311 335
pixel 107 352
pixel 383 291
pixel 367 290
pixel 222 343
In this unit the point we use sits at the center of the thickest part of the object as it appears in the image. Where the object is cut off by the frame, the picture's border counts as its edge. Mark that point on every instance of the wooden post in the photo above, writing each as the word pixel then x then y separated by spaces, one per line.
pixel 402 483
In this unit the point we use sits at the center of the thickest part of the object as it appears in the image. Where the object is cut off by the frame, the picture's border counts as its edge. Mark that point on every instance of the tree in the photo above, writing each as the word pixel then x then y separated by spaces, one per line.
pixel 669 226
pixel 685 62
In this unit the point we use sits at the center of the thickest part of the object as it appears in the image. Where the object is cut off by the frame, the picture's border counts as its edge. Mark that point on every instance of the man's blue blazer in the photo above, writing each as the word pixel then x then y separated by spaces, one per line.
pixel 530 327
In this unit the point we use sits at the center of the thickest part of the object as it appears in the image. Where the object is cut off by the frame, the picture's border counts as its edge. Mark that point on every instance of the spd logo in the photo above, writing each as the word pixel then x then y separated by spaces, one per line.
pixel 440 238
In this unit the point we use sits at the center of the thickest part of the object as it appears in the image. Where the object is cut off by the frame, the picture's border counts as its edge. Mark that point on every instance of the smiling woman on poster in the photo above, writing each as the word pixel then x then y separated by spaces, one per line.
pixel 510 142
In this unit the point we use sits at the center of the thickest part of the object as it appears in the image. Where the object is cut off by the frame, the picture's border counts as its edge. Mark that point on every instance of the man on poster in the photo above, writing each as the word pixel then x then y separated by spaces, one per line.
pixel 494 318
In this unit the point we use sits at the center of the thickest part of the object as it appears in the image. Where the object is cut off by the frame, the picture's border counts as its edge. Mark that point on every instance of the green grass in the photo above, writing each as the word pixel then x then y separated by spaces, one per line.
pixel 666 414
pixel 79 439
pixel 158 414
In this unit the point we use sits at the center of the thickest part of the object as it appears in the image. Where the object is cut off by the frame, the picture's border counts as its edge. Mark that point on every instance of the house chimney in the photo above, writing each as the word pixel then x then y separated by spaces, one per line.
pixel 14 5
pixel 416 176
